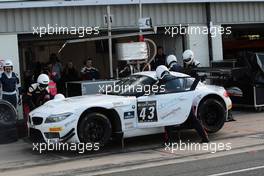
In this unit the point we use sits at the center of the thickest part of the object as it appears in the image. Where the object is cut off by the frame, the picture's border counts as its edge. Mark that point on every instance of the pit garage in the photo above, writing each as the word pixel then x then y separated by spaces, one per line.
pixel 241 71
pixel 34 52
pixel 244 38
pixel 244 48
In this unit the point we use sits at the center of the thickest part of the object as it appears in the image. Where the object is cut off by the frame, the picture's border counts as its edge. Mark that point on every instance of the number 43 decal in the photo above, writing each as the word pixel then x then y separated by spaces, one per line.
pixel 147 111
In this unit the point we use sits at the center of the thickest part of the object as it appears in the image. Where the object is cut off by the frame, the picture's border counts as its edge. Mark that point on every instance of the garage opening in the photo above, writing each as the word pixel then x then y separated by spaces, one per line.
pixel 244 38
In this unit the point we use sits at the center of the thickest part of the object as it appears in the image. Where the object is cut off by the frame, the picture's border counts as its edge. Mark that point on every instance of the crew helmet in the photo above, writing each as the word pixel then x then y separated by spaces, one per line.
pixel 188 57
pixel 43 80
pixel 171 59
pixel 8 63
pixel 161 71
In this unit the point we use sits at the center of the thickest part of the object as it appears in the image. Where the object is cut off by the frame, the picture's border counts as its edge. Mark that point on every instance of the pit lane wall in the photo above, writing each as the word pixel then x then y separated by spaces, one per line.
pixel 9 50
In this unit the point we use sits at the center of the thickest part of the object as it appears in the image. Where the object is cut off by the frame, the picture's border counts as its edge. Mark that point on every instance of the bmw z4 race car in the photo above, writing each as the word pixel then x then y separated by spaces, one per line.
pixel 129 113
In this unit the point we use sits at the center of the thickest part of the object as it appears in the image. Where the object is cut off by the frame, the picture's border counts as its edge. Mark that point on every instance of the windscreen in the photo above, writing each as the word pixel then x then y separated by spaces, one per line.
pixel 134 85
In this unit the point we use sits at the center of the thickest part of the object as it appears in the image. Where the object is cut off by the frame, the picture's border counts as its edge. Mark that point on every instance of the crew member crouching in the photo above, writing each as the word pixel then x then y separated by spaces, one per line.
pixel 38 93
pixel 163 75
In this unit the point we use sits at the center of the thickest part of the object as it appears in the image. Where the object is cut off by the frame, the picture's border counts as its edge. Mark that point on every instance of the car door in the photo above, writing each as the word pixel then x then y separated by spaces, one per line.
pixel 170 107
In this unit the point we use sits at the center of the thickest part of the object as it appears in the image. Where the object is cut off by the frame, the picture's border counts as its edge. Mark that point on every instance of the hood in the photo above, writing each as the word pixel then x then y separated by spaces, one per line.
pixel 73 103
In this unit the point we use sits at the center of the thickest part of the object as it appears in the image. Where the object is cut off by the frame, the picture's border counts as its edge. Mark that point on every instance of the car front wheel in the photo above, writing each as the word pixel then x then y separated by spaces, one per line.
pixel 94 128
pixel 212 114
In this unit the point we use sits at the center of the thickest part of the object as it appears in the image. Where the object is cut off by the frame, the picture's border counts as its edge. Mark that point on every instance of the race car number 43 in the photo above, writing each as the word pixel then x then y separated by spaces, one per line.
pixel 147 111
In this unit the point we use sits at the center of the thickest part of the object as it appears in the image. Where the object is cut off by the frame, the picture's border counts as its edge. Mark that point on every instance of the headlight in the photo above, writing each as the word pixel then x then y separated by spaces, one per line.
pixel 57 117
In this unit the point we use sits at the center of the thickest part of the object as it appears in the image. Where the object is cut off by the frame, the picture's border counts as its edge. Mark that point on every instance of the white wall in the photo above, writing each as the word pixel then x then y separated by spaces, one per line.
pixel 9 50
pixel 198 43
pixel 217 46
pixel 173 46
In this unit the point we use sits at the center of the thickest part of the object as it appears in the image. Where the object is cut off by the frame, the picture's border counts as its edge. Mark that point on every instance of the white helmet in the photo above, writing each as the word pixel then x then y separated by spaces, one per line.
pixel 59 97
pixel 188 57
pixel 161 71
pixel 170 59
pixel 43 79
pixel 8 63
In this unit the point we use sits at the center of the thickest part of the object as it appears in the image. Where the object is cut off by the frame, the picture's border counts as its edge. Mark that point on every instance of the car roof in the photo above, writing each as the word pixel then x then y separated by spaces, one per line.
pixel 152 74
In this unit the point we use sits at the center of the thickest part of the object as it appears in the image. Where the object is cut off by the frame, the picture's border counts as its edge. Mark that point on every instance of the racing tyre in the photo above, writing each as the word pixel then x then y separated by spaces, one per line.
pixel 8 116
pixel 95 128
pixel 212 114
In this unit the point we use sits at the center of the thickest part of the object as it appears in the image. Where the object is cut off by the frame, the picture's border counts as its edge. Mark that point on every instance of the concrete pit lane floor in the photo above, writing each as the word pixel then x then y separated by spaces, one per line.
pixel 149 156
pixel 242 164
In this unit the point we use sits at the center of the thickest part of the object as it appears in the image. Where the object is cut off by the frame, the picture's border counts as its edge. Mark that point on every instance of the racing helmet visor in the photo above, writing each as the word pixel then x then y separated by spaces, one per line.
pixel 188 59
pixel 43 85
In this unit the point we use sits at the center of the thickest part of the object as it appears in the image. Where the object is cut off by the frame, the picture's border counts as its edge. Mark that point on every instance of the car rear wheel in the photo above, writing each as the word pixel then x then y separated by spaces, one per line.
pixel 94 128
pixel 212 114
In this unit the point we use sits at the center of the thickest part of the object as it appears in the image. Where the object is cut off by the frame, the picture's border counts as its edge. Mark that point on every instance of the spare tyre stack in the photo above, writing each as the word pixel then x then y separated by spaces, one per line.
pixel 8 116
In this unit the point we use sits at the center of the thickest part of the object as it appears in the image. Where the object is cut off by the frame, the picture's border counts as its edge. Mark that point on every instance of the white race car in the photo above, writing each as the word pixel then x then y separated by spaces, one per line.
pixel 127 112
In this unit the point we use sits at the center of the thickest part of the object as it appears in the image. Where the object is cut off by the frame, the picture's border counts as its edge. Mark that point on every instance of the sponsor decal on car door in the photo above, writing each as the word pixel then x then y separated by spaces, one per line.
pixel 164 109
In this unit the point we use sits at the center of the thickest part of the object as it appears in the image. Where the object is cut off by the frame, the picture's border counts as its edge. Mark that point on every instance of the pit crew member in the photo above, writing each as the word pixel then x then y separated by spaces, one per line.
pixel 9 81
pixel 164 75
pixel 190 63
pixel 172 63
pixel 38 93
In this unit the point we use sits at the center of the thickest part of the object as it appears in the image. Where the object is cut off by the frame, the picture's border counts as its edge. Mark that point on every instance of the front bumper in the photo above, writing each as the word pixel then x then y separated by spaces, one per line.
pixel 36 136
pixel 64 131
